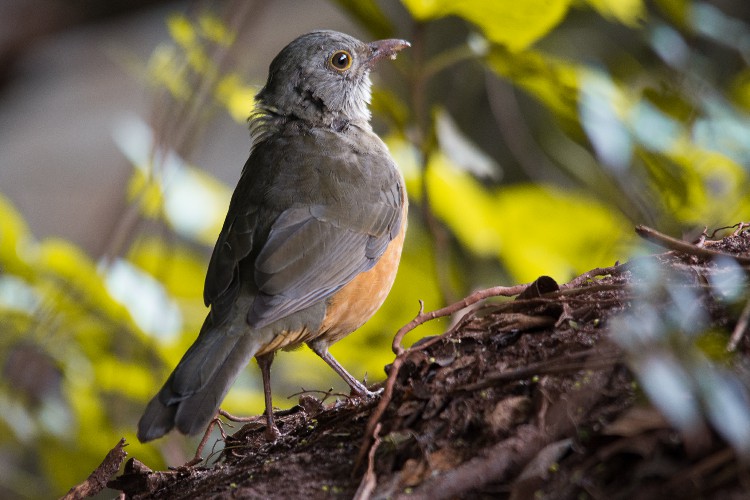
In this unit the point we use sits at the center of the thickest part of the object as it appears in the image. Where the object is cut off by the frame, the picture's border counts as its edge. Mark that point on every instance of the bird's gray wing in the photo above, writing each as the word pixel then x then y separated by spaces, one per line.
pixel 237 239
pixel 312 251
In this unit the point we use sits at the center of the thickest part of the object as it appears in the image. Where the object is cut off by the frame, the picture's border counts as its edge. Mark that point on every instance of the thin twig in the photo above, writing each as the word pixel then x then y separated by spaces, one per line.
pixel 739 227
pixel 197 458
pixel 599 271
pixel 235 418
pixel 422 317
pixel 326 394
pixel 369 480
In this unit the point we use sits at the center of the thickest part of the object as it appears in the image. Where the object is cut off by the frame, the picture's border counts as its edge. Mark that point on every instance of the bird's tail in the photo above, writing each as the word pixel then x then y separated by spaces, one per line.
pixel 193 392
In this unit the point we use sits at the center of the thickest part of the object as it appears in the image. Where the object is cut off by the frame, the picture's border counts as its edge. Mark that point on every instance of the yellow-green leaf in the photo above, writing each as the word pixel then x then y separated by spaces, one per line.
pixel 514 24
pixel 215 29
pixel 628 12
pixel 237 97
pixel 15 240
pixel 179 269
pixel 546 230
pixel 553 81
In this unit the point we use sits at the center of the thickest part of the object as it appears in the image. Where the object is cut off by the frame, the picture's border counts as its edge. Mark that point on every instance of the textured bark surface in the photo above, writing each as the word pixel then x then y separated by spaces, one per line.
pixel 523 396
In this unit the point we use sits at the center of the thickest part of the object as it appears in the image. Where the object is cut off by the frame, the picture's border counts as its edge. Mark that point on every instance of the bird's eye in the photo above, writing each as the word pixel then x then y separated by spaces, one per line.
pixel 341 60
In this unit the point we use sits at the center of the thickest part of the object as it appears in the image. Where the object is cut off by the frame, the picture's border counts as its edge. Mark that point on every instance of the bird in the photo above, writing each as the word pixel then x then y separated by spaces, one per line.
pixel 313 235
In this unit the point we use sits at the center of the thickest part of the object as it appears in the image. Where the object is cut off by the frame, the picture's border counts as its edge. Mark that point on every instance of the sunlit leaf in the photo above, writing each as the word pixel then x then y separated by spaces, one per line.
pixel 146 193
pixel 166 69
pixel 215 29
pixel 181 29
pixel 467 207
pixel 629 12
pixel 179 269
pixel 546 230
pixel 516 25
pixel 67 263
pixel 528 227
pixel 704 187
pixel 236 97
pixel 551 80
pixel 128 378
pixel 16 243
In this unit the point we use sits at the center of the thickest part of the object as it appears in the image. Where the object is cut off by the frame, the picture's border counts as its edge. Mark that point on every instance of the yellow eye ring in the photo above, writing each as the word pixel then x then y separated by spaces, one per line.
pixel 341 60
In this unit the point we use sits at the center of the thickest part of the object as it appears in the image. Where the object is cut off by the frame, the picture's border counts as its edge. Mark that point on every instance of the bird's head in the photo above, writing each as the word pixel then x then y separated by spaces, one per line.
pixel 323 77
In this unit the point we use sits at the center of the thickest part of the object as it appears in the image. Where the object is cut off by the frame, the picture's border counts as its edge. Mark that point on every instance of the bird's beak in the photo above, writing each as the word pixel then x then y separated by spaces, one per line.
pixel 385 48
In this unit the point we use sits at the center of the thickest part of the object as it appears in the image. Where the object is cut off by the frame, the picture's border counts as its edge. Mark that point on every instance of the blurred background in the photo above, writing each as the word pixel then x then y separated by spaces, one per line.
pixel 533 136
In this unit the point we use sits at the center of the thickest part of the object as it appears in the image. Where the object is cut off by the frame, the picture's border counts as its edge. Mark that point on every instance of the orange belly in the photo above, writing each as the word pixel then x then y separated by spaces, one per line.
pixel 355 303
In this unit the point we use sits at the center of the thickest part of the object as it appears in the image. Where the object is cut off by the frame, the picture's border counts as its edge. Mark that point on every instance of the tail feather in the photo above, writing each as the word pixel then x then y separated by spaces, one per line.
pixel 157 420
pixel 194 413
pixel 193 392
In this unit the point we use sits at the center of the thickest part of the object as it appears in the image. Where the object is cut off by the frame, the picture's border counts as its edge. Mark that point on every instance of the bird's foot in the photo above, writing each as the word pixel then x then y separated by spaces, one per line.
pixel 365 393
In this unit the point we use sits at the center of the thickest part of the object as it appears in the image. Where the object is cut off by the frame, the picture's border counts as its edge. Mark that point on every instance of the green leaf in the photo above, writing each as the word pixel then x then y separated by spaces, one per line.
pixel 514 24
pixel 628 12
pixel 81 282
pixel 527 227
pixel 551 80
pixel 237 97
pixel 547 230
pixel 16 243
pixel 179 269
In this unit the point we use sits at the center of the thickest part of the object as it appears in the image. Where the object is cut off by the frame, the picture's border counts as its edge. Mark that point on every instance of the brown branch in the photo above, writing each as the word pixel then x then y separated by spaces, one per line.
pixel 670 243
pixel 97 480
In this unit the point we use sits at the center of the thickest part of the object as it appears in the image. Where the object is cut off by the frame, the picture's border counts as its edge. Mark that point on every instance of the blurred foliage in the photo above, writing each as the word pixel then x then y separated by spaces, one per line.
pixel 683 364
pixel 597 114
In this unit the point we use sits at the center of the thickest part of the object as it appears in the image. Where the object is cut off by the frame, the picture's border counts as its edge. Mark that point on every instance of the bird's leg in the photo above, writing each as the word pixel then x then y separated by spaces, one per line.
pixel 357 387
pixel 264 362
